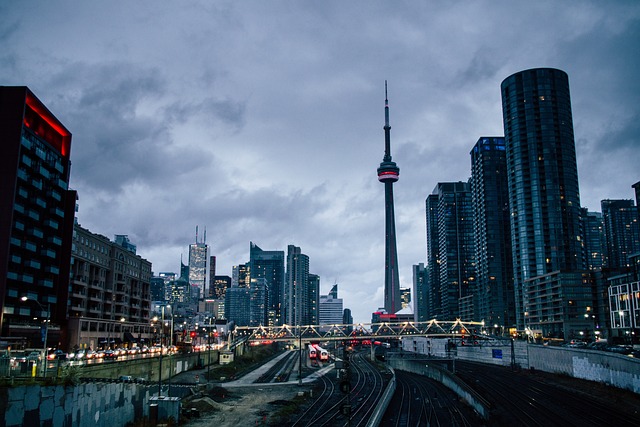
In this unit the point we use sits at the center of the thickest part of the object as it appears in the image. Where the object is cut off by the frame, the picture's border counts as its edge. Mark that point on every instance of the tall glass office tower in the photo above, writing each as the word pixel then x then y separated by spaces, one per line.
pixel 494 289
pixel 542 177
pixel 451 251
pixel 296 291
pixel 269 265
pixel 198 268
pixel 621 231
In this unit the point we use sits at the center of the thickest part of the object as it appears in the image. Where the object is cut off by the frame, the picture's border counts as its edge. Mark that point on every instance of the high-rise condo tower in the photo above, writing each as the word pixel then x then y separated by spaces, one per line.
pixel 544 200
pixel 388 173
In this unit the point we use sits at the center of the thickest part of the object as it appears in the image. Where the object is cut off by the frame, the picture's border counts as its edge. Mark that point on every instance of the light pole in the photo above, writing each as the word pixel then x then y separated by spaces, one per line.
pixel 209 350
pixel 160 360
pixel 170 353
pixel 46 332
pixel 299 356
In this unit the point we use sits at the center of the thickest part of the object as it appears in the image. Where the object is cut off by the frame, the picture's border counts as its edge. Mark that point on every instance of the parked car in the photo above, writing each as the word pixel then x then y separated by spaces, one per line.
pixel 109 354
pixel 57 355
pixel 34 355
pixel 125 378
pixel 20 358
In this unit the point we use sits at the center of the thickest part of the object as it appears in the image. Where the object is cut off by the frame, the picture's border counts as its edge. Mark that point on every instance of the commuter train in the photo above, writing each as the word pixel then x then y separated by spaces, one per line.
pixel 313 354
pixel 324 354
pixel 317 353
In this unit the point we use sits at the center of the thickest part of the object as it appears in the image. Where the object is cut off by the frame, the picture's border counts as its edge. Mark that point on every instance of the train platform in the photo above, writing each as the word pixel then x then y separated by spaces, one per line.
pixel 198 376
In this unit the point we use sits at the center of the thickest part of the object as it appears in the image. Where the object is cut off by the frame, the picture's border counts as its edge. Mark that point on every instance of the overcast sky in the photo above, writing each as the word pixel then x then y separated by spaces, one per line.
pixel 262 120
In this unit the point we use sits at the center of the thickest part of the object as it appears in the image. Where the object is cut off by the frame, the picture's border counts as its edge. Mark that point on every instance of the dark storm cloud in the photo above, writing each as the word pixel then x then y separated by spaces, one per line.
pixel 603 64
pixel 110 107
pixel 227 111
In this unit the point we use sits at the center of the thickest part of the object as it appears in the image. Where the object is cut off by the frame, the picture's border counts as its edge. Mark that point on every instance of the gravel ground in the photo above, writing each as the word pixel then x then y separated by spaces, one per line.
pixel 248 406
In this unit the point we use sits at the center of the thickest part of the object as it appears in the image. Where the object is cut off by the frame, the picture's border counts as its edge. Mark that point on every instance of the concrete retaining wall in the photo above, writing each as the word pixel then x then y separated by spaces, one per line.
pixel 95 404
pixel 436 373
pixel 148 367
pixel 610 368
pixel 85 405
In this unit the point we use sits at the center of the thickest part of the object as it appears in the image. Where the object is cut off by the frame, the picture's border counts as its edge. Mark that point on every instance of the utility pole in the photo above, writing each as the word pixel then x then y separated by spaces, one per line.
pixel 46 332
pixel 299 356
pixel 161 348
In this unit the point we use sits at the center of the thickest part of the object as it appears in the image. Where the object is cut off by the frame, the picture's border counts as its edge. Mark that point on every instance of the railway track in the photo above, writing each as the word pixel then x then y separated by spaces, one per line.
pixel 519 398
pixel 280 371
pixel 332 407
pixel 419 401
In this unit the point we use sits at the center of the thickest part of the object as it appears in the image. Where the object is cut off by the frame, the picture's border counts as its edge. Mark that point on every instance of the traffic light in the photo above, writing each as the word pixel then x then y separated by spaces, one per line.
pixel 192 334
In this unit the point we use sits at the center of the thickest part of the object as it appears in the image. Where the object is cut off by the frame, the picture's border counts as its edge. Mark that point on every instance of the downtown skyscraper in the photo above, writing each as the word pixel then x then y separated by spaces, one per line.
pixel 198 266
pixel 297 310
pixel 621 231
pixel 388 173
pixel 451 252
pixel 37 211
pixel 544 201
pixel 268 265
pixel 494 298
pixel 421 293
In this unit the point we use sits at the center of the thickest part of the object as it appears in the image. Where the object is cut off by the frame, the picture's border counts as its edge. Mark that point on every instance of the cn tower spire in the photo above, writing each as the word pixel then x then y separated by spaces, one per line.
pixel 387 128
pixel 388 173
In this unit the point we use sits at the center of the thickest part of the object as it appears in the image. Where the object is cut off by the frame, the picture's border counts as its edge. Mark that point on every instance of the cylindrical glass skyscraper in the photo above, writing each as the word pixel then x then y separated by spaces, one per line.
pixel 542 177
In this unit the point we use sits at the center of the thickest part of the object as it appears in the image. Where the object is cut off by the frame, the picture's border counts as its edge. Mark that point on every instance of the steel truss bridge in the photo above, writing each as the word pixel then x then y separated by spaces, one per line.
pixel 358 331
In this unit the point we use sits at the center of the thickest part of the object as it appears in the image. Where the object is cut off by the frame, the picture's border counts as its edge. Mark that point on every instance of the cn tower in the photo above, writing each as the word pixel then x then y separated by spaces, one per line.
pixel 388 173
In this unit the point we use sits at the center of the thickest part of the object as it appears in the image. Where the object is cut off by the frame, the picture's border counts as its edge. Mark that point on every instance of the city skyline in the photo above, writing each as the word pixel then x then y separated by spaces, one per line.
pixel 263 122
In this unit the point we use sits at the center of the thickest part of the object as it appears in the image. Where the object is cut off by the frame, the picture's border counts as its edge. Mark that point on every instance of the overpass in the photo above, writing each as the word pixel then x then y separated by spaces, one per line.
pixel 357 331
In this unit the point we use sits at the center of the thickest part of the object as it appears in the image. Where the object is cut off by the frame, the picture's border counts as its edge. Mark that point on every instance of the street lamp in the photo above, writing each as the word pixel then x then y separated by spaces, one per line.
pixel 170 353
pixel 209 350
pixel 160 360
pixel 162 342
pixel 46 332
